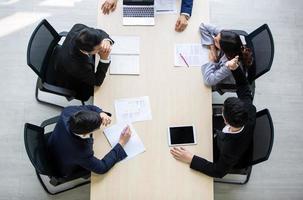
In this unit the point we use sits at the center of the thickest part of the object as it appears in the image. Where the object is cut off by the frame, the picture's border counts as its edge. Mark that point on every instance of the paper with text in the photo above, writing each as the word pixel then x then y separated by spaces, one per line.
pixel 125 64
pixel 126 45
pixel 133 109
pixel 193 54
pixel 133 147
pixel 165 6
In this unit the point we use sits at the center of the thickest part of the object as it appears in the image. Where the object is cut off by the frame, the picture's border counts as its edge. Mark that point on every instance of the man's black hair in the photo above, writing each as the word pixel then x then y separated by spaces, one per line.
pixel 235 112
pixel 87 39
pixel 84 122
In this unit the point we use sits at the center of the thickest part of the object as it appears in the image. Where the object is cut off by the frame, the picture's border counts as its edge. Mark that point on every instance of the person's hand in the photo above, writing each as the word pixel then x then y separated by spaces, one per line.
pixel 106 120
pixel 181 23
pixel 182 154
pixel 233 64
pixel 213 55
pixel 105 49
pixel 125 135
pixel 109 6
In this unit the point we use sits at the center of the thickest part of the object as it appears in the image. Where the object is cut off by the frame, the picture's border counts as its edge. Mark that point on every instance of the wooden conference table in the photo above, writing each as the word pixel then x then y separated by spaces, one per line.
pixel 177 96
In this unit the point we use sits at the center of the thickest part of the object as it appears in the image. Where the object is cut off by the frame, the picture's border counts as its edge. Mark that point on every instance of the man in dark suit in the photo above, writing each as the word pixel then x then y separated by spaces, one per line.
pixel 232 145
pixel 75 66
pixel 182 21
pixel 71 146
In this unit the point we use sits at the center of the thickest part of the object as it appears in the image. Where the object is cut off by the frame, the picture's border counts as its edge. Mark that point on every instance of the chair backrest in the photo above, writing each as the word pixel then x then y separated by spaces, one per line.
pixel 263 137
pixel 40 47
pixel 35 145
pixel 262 44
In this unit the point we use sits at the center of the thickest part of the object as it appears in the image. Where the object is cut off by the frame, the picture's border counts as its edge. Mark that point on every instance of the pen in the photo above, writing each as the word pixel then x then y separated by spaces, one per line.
pixel 183 59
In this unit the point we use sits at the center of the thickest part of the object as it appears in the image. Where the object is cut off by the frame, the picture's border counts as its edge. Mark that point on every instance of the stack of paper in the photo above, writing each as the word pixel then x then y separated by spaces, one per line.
pixel 125 55
pixel 133 147
pixel 190 54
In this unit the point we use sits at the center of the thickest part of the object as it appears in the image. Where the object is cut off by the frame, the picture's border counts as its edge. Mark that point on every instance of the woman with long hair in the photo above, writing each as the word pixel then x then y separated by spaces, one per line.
pixel 225 50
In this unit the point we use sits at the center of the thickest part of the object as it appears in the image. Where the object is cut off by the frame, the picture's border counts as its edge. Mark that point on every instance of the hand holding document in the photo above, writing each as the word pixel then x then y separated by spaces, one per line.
pixel 133 147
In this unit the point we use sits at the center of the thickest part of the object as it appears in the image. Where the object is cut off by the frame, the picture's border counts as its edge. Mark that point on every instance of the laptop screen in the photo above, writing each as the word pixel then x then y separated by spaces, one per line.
pixel 138 2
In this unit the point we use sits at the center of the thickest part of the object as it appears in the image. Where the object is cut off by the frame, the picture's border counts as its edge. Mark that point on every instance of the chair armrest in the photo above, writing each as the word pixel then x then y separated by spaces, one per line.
pixel 50 121
pixel 240 32
pixel 58 90
pixel 63 34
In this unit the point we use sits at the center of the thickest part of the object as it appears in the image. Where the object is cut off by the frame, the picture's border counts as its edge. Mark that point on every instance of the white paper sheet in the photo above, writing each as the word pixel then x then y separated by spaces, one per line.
pixel 126 45
pixel 194 54
pixel 133 147
pixel 165 6
pixel 133 109
pixel 124 64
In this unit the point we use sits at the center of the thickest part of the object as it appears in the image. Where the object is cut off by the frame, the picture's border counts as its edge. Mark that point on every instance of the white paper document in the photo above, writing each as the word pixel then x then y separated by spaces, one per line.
pixel 165 6
pixel 133 109
pixel 125 64
pixel 126 45
pixel 190 54
pixel 133 147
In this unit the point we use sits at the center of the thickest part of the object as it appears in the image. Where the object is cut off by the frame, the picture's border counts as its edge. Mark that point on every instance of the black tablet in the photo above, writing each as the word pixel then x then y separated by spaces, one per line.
pixel 181 135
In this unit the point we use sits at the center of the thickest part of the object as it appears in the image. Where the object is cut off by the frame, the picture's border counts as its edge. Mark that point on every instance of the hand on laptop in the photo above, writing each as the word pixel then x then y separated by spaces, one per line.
pixel 109 6
pixel 181 23
pixel 182 154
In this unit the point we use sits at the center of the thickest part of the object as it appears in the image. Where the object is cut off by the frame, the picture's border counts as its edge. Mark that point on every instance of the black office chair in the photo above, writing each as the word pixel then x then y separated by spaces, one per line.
pixel 42 51
pixel 262 44
pixel 35 144
pixel 262 144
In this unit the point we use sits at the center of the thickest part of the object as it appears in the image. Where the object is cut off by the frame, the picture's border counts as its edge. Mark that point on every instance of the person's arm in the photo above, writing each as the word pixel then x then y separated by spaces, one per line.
pixel 243 90
pixel 106 163
pixel 207 32
pixel 186 7
pixel 213 75
pixel 218 169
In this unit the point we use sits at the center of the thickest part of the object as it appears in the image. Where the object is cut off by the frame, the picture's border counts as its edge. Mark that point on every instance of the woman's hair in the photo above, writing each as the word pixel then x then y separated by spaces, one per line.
pixel 87 39
pixel 84 122
pixel 232 46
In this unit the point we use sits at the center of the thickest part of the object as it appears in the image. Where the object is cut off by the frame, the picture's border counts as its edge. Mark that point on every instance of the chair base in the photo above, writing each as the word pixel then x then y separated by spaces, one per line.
pixel 63 187
pixel 38 88
pixel 236 178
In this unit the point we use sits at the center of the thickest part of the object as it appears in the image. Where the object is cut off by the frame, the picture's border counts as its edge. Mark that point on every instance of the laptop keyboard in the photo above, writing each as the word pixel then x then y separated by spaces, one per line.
pixel 138 11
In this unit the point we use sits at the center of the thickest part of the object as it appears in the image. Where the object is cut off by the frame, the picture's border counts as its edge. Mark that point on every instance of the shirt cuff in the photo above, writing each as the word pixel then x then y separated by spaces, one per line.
pixel 187 16
pixel 104 61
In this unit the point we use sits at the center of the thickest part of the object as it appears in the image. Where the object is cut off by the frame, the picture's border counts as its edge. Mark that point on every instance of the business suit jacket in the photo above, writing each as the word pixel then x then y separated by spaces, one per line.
pixel 232 150
pixel 72 154
pixel 187 6
pixel 75 70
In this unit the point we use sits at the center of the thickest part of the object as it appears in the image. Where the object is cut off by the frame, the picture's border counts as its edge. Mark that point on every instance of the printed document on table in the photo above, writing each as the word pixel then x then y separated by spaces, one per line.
pixel 133 109
pixel 194 54
pixel 165 6
pixel 125 64
pixel 133 147
pixel 126 45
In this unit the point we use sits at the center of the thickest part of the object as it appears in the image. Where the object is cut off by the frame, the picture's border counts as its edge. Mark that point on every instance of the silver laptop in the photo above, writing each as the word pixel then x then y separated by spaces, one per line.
pixel 138 12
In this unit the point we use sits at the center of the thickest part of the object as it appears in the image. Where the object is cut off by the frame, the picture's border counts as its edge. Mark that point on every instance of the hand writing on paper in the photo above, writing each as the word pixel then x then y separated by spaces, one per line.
pixel 125 135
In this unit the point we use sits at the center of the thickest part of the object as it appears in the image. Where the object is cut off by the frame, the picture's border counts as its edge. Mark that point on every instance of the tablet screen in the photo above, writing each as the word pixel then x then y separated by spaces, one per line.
pixel 181 135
